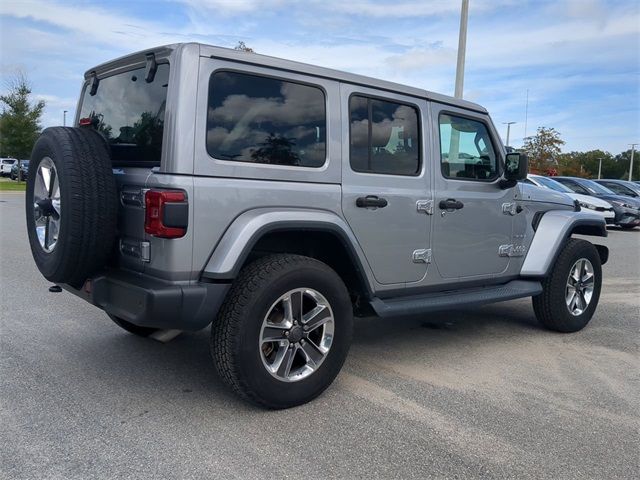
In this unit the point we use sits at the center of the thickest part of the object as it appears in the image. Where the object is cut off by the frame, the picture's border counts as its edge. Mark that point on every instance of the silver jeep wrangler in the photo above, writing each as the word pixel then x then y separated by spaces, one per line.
pixel 276 200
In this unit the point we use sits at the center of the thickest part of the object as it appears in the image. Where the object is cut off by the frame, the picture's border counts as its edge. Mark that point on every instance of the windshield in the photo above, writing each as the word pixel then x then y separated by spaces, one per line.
pixel 129 112
pixel 622 188
pixel 596 188
pixel 552 184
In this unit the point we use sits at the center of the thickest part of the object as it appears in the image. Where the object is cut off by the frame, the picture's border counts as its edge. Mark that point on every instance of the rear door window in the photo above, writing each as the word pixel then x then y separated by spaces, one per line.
pixel 129 113
pixel 383 137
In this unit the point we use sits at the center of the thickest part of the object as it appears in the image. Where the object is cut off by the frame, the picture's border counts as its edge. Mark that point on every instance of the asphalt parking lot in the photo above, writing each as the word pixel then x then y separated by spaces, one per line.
pixel 463 394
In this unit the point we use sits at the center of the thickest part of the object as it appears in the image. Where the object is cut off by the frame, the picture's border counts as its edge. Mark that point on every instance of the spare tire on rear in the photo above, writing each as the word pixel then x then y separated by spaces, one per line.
pixel 71 204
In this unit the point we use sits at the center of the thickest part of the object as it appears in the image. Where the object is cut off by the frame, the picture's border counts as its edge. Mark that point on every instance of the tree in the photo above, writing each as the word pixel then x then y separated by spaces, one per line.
pixel 586 164
pixel 277 150
pixel 19 119
pixel 543 149
pixel 242 47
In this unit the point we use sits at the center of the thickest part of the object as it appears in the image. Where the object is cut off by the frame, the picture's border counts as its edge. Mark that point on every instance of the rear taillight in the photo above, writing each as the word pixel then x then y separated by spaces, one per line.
pixel 166 213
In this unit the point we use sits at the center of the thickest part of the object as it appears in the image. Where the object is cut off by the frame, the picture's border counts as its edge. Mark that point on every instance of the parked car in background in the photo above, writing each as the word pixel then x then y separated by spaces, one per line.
pixel 24 167
pixel 598 205
pixel 5 166
pixel 621 187
pixel 627 209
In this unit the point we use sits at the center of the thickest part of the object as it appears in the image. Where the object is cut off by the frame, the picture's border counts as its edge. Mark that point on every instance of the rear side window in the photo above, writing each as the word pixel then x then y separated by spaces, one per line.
pixel 129 112
pixel 383 137
pixel 265 120
pixel 466 151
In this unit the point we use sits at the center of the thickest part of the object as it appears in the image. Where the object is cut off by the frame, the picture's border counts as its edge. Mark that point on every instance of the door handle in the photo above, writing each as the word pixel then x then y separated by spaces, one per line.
pixel 450 204
pixel 371 201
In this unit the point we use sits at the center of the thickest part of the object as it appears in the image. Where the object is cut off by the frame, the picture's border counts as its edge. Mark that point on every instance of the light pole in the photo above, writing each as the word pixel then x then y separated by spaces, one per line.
pixel 64 118
pixel 633 149
pixel 508 124
pixel 462 48
pixel 599 168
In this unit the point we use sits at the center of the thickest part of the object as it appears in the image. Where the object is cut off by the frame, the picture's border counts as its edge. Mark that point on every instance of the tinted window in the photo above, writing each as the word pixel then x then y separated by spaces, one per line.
pixel 129 112
pixel 596 188
pixel 383 137
pixel 265 120
pixel 573 186
pixel 466 151
pixel 619 189
pixel 553 185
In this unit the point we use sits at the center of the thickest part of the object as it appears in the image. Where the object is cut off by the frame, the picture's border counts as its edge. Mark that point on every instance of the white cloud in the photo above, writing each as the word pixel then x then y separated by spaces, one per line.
pixel 231 7
pixel 408 9
pixel 561 51
pixel 92 24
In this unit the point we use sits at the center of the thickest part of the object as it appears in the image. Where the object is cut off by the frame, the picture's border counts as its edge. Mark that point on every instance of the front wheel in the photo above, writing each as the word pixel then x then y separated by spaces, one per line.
pixel 571 292
pixel 283 332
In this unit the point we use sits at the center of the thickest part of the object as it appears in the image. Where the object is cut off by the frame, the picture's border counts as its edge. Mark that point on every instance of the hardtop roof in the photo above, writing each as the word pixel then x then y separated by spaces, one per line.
pixel 293 66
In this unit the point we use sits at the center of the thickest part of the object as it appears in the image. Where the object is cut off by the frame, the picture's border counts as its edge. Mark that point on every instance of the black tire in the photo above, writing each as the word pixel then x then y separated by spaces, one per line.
pixel 131 328
pixel 550 306
pixel 88 198
pixel 235 333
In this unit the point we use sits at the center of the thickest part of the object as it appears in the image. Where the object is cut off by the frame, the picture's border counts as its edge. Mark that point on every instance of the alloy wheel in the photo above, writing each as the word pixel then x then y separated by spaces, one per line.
pixel 579 289
pixel 296 334
pixel 47 205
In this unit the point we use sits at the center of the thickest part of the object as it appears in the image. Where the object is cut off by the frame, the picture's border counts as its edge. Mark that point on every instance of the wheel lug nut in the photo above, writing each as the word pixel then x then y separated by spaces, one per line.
pixel 286 334
pixel 302 342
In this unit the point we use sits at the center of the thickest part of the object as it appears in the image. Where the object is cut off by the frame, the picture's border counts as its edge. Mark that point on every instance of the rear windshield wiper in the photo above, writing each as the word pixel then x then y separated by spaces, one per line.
pixel 151 69
pixel 94 84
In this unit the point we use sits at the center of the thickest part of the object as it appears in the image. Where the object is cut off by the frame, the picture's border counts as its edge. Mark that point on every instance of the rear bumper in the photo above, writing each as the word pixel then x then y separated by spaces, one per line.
pixel 150 302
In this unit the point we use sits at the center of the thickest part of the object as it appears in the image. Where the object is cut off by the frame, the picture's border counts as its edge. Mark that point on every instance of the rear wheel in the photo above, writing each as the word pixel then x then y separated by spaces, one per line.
pixel 283 332
pixel 571 292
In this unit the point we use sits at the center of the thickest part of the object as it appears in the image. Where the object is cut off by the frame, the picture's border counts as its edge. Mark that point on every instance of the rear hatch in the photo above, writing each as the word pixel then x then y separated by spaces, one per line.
pixel 128 109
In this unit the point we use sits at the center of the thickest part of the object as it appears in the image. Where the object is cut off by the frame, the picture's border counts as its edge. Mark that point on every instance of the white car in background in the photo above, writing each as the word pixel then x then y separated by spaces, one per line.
pixel 5 166
pixel 595 204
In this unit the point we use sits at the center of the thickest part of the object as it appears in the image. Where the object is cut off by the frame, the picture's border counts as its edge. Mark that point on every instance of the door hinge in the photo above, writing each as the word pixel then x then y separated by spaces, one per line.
pixel 425 206
pixel 422 255
pixel 511 208
pixel 511 250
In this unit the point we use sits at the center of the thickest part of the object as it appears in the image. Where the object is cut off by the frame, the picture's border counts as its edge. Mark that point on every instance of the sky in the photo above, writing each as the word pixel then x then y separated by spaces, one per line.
pixel 579 60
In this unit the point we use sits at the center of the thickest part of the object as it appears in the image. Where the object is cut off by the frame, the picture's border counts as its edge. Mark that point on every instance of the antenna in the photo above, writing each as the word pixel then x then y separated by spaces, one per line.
pixel 526 115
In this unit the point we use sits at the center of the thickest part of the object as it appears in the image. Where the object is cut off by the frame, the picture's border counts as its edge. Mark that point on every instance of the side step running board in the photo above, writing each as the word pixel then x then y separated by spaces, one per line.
pixel 433 302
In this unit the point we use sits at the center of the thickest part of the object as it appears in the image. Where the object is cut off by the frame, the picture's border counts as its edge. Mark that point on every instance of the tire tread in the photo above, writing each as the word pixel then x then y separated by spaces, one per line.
pixel 225 329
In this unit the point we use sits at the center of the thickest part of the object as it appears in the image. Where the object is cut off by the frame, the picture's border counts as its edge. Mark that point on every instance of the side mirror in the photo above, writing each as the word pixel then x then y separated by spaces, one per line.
pixel 516 166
